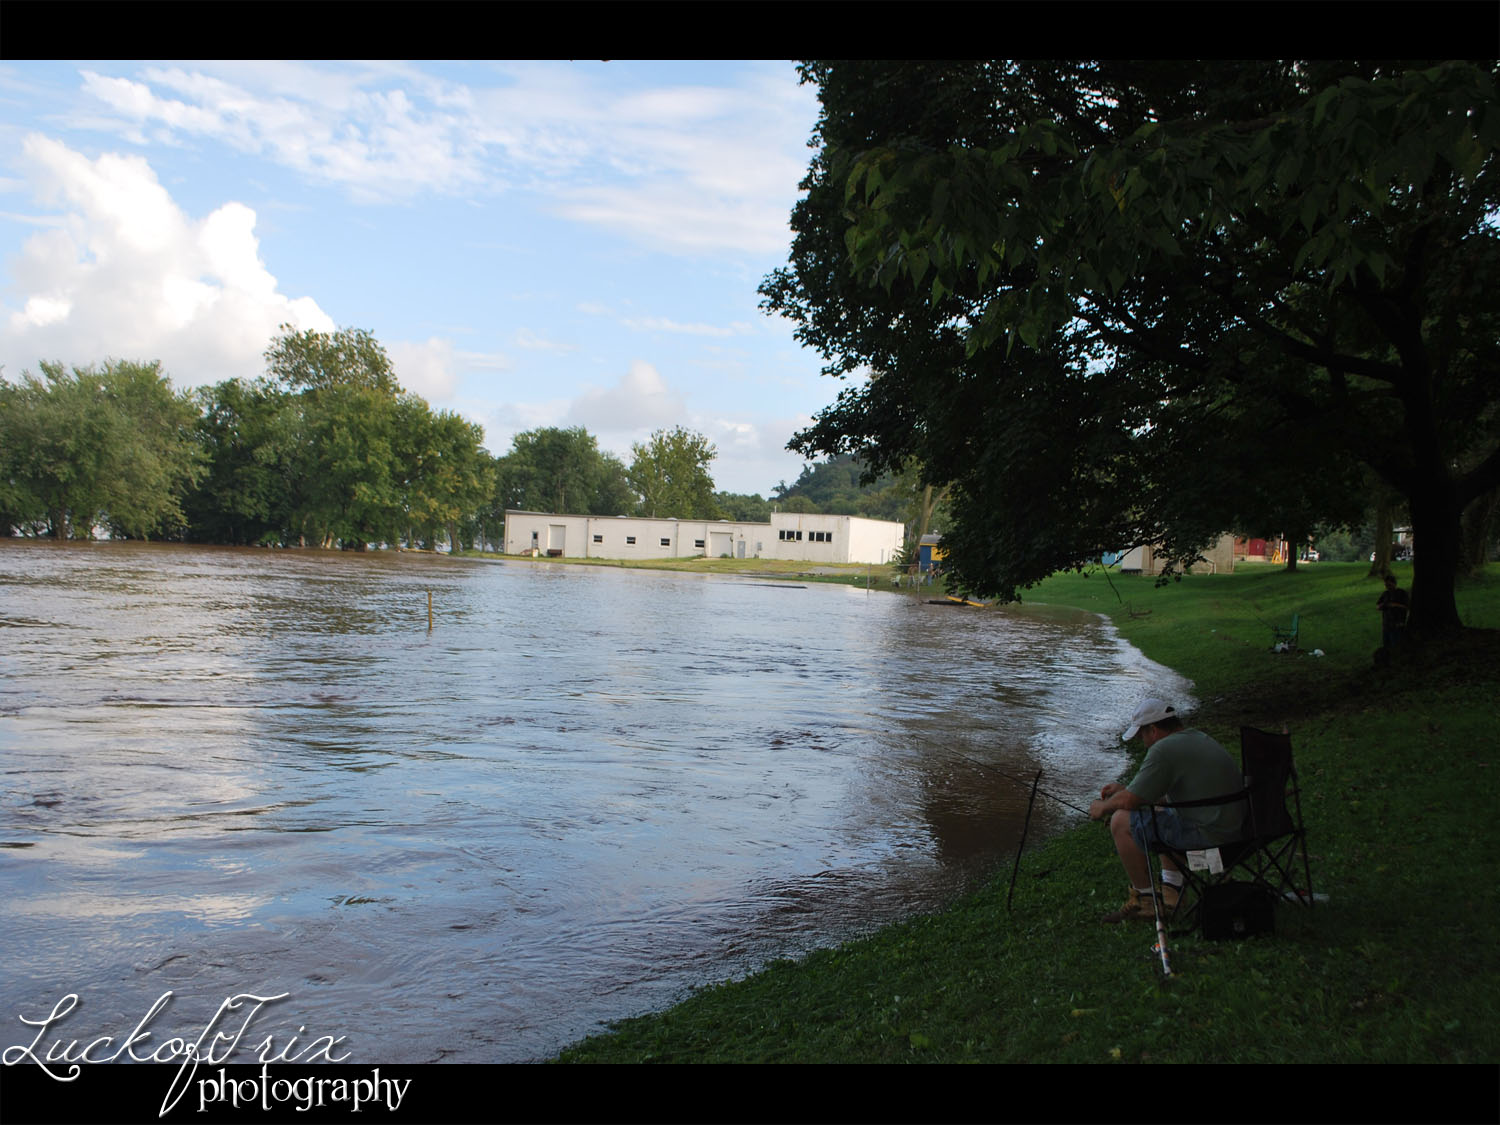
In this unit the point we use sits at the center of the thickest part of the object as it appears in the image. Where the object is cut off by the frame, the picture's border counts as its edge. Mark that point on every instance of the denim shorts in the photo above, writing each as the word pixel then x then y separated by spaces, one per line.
pixel 1169 831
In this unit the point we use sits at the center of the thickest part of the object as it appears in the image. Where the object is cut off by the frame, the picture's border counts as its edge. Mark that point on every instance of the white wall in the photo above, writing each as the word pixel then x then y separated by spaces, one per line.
pixel 849 538
pixel 852 539
pixel 610 537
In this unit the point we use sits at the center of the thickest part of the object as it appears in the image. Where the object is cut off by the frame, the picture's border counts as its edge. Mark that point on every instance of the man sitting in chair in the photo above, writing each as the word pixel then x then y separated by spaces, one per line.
pixel 1181 765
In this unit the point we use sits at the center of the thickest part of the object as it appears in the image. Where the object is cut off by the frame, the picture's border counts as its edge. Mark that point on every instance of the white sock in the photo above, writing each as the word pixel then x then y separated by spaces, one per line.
pixel 1145 890
pixel 1171 878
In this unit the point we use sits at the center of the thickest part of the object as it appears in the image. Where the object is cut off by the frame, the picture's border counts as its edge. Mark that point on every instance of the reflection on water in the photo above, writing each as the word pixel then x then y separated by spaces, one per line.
pixel 584 791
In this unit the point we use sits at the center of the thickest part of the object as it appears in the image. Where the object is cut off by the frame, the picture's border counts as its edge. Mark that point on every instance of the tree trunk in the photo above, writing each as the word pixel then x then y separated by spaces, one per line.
pixel 1478 528
pixel 1435 519
pixel 1385 531
pixel 929 505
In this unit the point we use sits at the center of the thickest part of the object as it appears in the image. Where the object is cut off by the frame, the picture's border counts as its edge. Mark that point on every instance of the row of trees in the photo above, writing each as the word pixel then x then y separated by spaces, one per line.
pixel 113 448
pixel 326 449
pixel 1110 303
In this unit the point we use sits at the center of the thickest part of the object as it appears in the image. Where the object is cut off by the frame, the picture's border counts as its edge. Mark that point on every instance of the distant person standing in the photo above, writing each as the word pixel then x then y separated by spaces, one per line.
pixel 1394 604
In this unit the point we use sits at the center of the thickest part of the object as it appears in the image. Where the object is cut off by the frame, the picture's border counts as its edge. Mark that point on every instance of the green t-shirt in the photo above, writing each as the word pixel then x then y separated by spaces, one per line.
pixel 1187 765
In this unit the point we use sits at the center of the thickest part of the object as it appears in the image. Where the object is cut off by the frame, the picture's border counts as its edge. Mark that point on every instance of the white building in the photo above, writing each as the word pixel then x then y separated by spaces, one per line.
pixel 798 537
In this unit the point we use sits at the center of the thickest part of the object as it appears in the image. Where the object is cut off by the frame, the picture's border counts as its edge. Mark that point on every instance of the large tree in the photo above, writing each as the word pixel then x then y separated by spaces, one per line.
pixel 312 360
pixel 670 474
pixel 445 476
pixel 359 459
pixel 242 497
pixel 552 469
pixel 1071 284
pixel 112 447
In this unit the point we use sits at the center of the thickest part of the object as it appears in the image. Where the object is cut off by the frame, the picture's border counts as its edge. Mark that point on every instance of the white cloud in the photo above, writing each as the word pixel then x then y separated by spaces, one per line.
pixel 640 401
pixel 126 274
pixel 502 423
pixel 525 338
pixel 692 169
pixel 665 324
pixel 425 369
pixel 484 361
pixel 380 144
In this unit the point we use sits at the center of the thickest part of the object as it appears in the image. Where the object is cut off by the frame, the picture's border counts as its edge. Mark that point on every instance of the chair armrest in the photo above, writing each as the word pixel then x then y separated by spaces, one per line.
pixel 1228 799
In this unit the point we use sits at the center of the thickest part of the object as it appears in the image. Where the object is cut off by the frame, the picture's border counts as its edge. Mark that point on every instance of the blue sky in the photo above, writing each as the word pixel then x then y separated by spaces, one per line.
pixel 535 243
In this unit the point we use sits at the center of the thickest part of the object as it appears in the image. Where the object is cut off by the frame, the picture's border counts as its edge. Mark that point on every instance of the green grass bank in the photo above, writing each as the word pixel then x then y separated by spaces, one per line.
pixel 1402 964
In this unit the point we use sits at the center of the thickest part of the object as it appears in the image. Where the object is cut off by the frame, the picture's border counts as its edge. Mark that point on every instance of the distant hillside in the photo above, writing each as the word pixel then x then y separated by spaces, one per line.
pixel 833 487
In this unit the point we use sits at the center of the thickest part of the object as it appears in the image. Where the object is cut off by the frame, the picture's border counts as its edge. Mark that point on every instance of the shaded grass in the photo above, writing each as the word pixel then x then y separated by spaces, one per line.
pixel 1402 964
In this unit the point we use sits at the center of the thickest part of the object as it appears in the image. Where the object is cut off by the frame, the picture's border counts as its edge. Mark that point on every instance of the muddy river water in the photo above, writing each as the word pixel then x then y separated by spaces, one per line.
pixel 584 791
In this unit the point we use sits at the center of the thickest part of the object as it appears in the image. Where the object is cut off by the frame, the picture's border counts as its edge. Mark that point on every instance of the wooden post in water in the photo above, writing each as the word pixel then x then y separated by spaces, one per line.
pixel 429 611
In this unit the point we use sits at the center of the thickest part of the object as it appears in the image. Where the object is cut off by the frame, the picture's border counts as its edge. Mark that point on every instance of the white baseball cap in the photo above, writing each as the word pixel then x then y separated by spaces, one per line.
pixel 1150 711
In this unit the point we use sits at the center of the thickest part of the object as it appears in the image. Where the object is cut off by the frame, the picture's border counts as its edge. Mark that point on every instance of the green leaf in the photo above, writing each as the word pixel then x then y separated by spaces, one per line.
pixel 1467 156
pixel 1320 107
pixel 940 201
pixel 1308 212
pixel 916 263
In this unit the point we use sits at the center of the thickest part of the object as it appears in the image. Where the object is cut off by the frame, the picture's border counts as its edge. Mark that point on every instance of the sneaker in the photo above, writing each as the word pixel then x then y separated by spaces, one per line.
pixel 1138 908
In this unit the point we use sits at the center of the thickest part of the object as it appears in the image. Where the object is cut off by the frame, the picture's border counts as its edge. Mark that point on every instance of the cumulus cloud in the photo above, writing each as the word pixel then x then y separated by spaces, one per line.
pixel 640 401
pixel 753 455
pixel 425 369
pixel 125 273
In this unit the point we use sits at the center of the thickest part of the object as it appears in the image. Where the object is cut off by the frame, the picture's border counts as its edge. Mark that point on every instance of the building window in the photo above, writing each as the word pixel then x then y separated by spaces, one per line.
pixel 820 536
pixel 666 542
pixel 698 543
pixel 630 540
pixel 598 539
pixel 791 536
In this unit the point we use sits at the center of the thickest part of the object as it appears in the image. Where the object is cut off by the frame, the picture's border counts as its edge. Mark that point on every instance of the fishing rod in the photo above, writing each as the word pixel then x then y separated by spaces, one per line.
pixel 1160 948
pixel 1030 804
pixel 1161 927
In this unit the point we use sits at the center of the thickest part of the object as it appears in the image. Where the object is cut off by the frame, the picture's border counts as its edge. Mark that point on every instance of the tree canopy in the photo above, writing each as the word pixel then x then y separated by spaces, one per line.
pixel 670 474
pixel 1067 288
pixel 311 360
pixel 551 469
pixel 112 448
pixel 843 485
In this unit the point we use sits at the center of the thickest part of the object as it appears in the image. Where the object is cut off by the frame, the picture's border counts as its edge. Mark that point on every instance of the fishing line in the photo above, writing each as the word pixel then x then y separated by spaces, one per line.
pixel 1035 787
pixel 1008 776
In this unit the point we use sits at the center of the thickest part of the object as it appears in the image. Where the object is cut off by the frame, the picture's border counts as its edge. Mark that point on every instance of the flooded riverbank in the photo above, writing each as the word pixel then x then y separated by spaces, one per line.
pixel 584 791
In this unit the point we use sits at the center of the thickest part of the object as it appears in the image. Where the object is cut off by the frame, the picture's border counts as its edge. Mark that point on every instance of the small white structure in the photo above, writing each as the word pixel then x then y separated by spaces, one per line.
pixel 794 536
pixel 1217 559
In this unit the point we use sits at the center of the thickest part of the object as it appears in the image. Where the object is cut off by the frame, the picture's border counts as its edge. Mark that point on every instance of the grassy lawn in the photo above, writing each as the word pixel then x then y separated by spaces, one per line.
pixel 1402 964
pixel 699 564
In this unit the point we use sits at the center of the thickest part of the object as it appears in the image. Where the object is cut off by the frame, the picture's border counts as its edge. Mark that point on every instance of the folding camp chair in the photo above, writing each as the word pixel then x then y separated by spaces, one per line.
pixel 1287 637
pixel 1260 867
